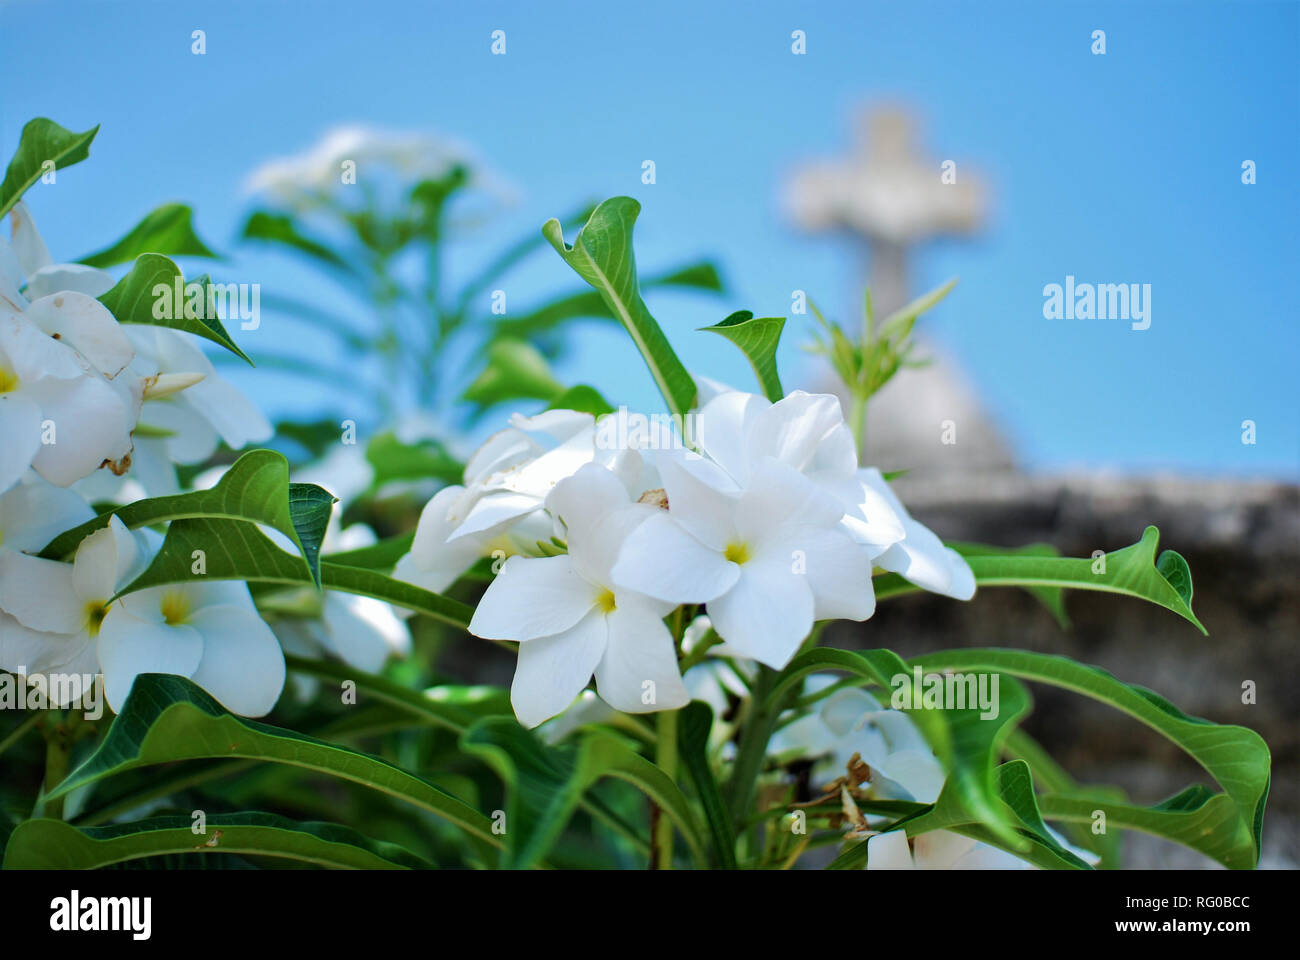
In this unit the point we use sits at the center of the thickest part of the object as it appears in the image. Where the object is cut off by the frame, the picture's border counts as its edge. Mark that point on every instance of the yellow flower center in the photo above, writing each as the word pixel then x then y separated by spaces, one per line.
pixel 737 552
pixel 175 607
pixel 95 612
pixel 606 601
pixel 8 379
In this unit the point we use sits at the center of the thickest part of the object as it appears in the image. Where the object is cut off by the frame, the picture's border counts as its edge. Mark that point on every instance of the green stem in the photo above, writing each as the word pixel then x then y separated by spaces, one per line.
pixel 756 732
pixel 19 732
pixel 666 757
pixel 858 421
pixel 58 747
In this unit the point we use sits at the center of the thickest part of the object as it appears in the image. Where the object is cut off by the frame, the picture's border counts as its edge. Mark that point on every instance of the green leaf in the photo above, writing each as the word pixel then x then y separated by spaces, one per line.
pixel 1197 817
pixel 42 141
pixel 966 745
pixel 693 735
pixel 281 229
pixel 168 718
pixel 545 784
pixel 1132 571
pixel 515 369
pixel 133 300
pixel 1015 791
pixel 381 555
pixel 584 399
pixel 757 338
pixel 237 550
pixel 589 303
pixel 905 316
pixel 1053 598
pixel 55 845
pixel 1236 757
pixel 169 230
pixel 393 460
pixel 602 255
pixel 255 488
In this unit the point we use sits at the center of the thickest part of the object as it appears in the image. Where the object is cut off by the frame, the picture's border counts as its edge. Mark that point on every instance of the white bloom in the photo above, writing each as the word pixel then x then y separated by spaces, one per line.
pixel 768 560
pixel 33 512
pixel 64 411
pixel 500 507
pixel 920 556
pixel 937 850
pixel 194 418
pixel 572 620
pixel 306 181
pixel 58 617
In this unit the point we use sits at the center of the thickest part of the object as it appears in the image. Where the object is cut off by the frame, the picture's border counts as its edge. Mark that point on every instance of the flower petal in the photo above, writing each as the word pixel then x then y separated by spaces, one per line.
pixel 242 664
pixel 130 646
pixel 889 851
pixel 553 670
pixel 92 424
pixel 40 594
pixel 87 325
pixel 766 615
pixel 20 436
pixel 662 560
pixel 533 597
pixel 640 651
pixel 33 514
pixel 837 569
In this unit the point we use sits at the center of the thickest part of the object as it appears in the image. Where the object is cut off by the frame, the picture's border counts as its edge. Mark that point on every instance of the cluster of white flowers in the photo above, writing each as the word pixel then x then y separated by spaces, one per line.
pixel 77 390
pixel 767 520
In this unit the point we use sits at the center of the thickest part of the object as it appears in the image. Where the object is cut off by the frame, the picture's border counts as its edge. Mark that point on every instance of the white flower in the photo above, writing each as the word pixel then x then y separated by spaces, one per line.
pixel 308 180
pixel 500 507
pixel 920 556
pixel 33 512
pixel 937 850
pixel 209 408
pixel 852 721
pixel 64 411
pixel 59 617
pixel 768 560
pixel 572 620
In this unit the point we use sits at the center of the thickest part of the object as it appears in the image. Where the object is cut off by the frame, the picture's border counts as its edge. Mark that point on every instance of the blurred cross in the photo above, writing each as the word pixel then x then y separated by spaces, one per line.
pixel 889 196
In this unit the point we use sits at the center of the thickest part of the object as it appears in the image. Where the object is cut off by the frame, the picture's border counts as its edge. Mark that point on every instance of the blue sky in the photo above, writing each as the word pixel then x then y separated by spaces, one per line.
pixel 1116 168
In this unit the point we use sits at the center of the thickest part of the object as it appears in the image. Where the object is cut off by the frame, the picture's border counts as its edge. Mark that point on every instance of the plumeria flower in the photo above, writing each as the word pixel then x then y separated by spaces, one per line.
pixel 33 512
pixel 805 431
pixel 937 850
pixel 920 556
pixel 62 616
pixel 64 411
pixel 852 721
pixel 53 612
pixel 188 408
pixel 572 620
pixel 768 560
pixel 499 510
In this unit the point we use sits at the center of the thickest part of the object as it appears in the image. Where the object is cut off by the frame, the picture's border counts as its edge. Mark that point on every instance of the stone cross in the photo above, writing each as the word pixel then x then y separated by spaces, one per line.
pixel 889 197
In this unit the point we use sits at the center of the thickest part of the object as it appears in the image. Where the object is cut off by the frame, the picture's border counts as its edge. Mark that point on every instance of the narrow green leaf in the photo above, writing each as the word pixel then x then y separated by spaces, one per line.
pixel 256 488
pixel 582 398
pixel 392 460
pixel 139 298
pixel 1236 757
pixel 602 255
pixel 55 845
pixel 278 228
pixel 168 718
pixel 169 230
pixel 42 141
pixel 544 785
pixel 693 734
pixel 757 338
pixel 1131 571
pixel 907 314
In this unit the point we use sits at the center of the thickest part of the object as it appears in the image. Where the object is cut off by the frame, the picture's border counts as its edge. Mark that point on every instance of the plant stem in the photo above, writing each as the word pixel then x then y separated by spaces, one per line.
pixel 666 756
pixel 753 746
pixel 19 732
pixel 58 746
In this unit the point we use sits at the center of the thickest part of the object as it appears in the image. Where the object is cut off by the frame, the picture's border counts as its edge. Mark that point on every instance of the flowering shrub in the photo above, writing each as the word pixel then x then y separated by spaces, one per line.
pixel 662 583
